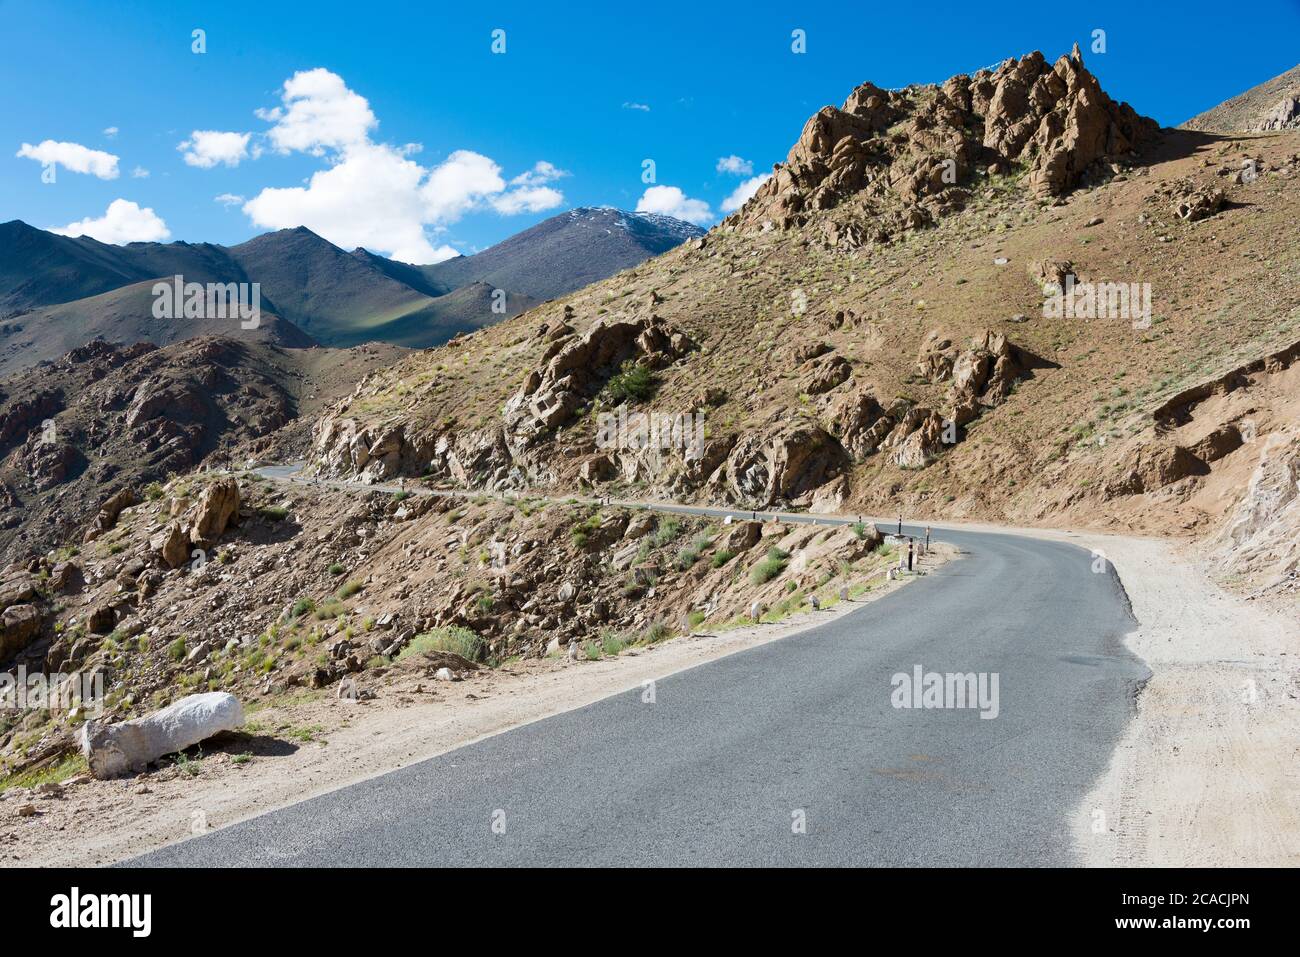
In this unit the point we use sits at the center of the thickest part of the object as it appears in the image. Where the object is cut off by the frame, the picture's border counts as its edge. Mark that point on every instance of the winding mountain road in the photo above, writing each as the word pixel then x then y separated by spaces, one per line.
pixel 734 755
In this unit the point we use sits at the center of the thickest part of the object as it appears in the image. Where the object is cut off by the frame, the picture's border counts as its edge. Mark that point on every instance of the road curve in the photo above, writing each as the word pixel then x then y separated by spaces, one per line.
pixel 731 755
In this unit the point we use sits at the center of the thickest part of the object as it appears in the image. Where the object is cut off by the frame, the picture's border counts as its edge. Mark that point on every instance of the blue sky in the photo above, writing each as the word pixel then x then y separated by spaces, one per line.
pixel 422 141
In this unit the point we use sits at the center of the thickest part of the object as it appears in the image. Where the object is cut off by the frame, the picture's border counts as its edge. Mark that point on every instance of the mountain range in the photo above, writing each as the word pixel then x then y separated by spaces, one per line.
pixel 58 292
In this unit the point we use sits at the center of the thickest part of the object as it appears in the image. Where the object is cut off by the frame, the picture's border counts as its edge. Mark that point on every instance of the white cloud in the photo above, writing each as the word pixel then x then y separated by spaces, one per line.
pixel 229 199
pixel 139 173
pixel 644 108
pixel 110 131
pixel 458 184
pixel 735 165
pixel 532 199
pixel 374 194
pixel 741 194
pixel 206 148
pixel 320 113
pixel 73 157
pixel 671 201
pixel 542 172
pixel 123 222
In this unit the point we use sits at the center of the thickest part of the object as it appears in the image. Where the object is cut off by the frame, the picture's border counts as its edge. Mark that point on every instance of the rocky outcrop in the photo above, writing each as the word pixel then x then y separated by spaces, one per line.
pixel 1149 469
pixel 19 626
pixel 911 154
pixel 575 369
pixel 172 544
pixel 1262 534
pixel 218 507
pixel 109 511
pixel 1191 201
pixel 785 466
pixel 984 375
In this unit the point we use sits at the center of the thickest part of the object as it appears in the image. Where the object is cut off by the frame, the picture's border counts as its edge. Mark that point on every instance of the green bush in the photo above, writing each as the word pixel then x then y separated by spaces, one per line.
pixel 666 532
pixel 453 638
pixel 656 632
pixel 273 513
pixel 611 642
pixel 581 530
pixel 771 566
pixel 337 569
pixel 301 607
pixel 722 557
pixel 632 383
pixel 350 588
pixel 176 650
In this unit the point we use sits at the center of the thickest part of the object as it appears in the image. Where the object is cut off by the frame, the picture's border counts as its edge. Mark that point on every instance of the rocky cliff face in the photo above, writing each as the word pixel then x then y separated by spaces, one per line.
pixel 904 158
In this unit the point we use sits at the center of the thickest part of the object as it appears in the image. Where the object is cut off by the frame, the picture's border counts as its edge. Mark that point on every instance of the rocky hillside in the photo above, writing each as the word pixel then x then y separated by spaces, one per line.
pixel 107 419
pixel 915 352
pixel 1274 105
pixel 246 585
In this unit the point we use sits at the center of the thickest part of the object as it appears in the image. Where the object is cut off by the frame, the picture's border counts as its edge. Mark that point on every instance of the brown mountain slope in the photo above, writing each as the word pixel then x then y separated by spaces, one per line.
pixel 123 316
pixel 831 362
pixel 1273 105
pixel 106 418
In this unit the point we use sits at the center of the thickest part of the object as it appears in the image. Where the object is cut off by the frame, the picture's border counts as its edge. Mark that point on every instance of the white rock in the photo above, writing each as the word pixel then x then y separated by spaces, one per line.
pixel 444 674
pixel 116 749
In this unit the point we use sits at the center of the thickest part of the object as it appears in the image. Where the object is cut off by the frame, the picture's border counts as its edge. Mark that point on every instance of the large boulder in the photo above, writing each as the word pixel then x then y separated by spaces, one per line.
pixel 113 750
pixel 19 626
pixel 218 507
pixel 173 544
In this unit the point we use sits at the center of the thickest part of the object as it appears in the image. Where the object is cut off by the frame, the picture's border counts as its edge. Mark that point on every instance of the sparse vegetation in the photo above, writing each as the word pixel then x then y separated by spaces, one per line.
pixel 453 638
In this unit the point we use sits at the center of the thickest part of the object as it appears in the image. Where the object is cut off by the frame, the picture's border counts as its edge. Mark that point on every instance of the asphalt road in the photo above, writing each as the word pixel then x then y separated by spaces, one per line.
pixel 729 758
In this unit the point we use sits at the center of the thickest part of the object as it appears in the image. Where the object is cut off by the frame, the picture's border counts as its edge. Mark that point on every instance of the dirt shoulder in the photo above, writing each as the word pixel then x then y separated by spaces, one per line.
pixel 1208 772
pixel 312 743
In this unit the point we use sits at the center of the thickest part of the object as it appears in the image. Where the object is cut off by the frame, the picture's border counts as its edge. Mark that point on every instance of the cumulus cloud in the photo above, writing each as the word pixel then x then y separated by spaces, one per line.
pixel 374 194
pixel 542 172
pixel 741 194
pixel 319 113
pixel 229 199
pixel 735 165
pixel 534 199
pixel 123 222
pixel 110 131
pixel 643 107
pixel 139 173
pixel 671 201
pixel 73 157
pixel 207 148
